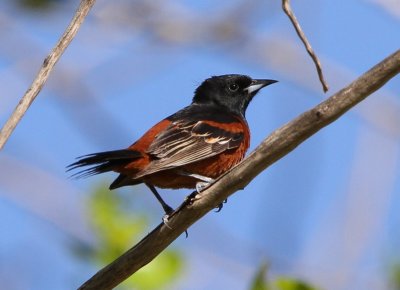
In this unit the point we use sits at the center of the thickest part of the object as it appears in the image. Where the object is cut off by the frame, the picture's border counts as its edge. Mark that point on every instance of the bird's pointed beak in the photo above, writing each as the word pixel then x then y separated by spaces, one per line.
pixel 257 85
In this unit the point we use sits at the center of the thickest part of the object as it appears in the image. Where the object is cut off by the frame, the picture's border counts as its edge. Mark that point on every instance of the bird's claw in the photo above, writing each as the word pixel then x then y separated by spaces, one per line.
pixel 201 185
pixel 221 205
pixel 165 220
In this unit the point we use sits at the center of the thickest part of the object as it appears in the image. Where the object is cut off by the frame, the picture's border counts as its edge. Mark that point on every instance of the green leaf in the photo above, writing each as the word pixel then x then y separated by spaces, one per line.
pixel 36 4
pixel 285 283
pixel 259 282
pixel 158 273
pixel 118 227
pixel 395 276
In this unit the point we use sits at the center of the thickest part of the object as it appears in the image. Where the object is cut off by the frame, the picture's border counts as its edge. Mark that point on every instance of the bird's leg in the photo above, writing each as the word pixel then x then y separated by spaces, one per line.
pixel 201 177
pixel 167 209
pixel 201 185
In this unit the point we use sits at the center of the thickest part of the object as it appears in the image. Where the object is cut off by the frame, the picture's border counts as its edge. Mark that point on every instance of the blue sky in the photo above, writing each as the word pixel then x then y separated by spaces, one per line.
pixel 328 212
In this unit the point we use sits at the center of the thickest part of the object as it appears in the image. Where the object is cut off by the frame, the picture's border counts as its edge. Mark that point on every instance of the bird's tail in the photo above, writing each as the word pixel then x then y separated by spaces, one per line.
pixel 103 162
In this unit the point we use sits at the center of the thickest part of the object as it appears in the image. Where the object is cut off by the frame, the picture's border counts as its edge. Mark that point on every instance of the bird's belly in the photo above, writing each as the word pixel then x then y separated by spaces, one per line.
pixel 170 179
pixel 216 165
pixel 211 167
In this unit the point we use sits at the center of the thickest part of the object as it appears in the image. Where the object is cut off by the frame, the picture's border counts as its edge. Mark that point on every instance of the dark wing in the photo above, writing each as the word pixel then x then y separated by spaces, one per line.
pixel 187 142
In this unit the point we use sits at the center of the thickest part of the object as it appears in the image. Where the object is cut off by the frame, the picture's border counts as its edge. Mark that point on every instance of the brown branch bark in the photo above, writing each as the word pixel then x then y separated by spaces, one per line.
pixel 277 145
pixel 288 10
pixel 45 70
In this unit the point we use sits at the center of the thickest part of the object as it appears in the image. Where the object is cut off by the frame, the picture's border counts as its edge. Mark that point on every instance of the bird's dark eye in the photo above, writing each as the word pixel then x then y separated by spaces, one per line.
pixel 233 87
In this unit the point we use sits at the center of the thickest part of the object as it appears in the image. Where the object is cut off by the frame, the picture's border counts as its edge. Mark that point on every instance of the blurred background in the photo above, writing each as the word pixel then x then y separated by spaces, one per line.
pixel 327 216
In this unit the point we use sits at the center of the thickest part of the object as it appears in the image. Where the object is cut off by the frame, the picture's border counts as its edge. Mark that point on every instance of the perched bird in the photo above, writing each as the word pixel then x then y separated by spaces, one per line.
pixel 190 148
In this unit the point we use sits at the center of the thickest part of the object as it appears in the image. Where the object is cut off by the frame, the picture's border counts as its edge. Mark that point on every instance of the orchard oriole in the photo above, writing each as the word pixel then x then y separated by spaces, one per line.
pixel 190 148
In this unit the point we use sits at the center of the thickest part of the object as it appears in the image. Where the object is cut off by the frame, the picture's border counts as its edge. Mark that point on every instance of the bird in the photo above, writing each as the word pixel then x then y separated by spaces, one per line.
pixel 188 149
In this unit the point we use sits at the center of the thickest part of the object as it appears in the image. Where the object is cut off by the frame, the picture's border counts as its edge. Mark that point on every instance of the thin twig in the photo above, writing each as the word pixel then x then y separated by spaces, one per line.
pixel 277 145
pixel 45 70
pixel 288 10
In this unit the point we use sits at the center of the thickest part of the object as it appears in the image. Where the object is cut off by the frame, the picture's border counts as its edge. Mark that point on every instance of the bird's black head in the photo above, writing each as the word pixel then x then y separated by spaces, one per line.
pixel 232 92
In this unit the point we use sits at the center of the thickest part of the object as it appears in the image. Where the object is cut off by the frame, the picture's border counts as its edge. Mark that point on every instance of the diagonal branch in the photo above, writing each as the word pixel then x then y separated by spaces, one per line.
pixel 277 145
pixel 45 70
pixel 288 10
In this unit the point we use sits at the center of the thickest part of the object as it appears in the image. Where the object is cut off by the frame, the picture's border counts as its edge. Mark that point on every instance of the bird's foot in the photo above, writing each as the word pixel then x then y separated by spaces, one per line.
pixel 221 205
pixel 165 220
pixel 204 181
pixel 200 186
pixel 169 212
